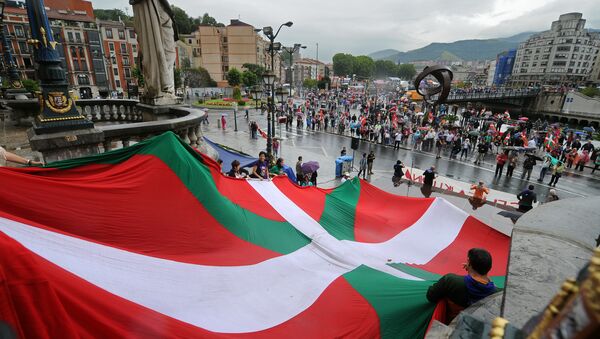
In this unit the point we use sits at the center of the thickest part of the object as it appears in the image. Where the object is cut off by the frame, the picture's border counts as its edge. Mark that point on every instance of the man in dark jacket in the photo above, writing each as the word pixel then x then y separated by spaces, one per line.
pixel 462 291
pixel 526 199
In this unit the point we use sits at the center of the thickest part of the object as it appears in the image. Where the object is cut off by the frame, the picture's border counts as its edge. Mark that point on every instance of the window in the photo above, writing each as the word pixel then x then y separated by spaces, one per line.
pixel 116 71
pixel 125 61
pixel 111 46
pixel 81 53
pixel 109 33
pixel 123 48
pixel 77 37
pixel 76 66
pixel 114 60
pixel 134 48
pixel 23 47
pixel 121 34
pixel 127 72
pixel 27 62
pixel 559 63
pixel 73 52
pixel 19 31
pixel 118 83
pixel 132 34
pixel 70 36
pixel 83 79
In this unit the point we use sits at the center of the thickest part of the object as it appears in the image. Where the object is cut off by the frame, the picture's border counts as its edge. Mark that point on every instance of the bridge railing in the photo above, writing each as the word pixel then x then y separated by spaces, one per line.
pixel 504 94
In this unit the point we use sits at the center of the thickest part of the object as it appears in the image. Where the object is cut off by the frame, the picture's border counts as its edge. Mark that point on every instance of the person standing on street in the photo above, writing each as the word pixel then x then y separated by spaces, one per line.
pixel 557 171
pixel 545 167
pixel 428 177
pixel 479 194
pixel 362 166
pixel 512 163
pixel 398 173
pixel 299 173
pixel 528 167
pixel 370 160
pixel 482 149
pixel 526 199
pixel 500 161
pixel 397 140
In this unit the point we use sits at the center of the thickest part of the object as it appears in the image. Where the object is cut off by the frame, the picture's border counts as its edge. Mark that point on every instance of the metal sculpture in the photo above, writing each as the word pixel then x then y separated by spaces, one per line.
pixel 443 75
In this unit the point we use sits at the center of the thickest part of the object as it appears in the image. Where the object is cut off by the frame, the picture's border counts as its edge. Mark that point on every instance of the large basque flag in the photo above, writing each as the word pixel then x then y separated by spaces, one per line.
pixel 152 241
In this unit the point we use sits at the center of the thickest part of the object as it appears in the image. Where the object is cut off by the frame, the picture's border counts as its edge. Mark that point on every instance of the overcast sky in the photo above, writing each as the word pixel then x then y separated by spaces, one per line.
pixel 362 27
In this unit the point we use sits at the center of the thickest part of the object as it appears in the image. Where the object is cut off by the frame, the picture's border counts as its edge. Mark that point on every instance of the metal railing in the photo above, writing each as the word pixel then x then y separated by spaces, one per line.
pixel 493 95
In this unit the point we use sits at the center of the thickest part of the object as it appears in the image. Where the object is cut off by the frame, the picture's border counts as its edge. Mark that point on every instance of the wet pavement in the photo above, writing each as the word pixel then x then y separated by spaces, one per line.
pixel 325 148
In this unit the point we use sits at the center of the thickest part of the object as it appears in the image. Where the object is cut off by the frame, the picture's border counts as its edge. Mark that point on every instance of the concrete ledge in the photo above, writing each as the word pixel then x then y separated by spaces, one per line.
pixel 549 244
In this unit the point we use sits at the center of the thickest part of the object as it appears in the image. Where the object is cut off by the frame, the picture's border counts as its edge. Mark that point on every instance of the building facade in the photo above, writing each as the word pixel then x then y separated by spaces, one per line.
pixel 564 55
pixel 120 55
pixel 504 67
pixel 79 45
pixel 219 49
pixel 307 68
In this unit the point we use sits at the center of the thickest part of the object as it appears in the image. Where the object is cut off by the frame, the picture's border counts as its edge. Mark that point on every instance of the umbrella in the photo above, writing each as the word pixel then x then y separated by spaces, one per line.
pixel 589 129
pixel 523 118
pixel 474 133
pixel 310 166
pixel 224 114
pixel 420 114
pixel 533 156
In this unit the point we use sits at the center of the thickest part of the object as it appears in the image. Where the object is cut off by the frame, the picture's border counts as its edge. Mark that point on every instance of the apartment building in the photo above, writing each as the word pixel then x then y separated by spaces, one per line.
pixel 564 55
pixel 121 50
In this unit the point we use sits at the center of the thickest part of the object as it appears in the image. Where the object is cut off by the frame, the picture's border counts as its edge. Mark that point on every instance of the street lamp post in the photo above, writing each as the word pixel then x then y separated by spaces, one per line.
pixel 269 80
pixel 256 94
pixel 291 51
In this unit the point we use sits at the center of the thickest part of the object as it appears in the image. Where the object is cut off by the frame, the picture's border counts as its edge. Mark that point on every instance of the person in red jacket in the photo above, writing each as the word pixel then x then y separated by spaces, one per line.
pixel 500 161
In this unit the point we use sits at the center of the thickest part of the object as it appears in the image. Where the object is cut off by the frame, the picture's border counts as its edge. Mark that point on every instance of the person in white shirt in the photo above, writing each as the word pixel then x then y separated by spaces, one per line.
pixel 6 156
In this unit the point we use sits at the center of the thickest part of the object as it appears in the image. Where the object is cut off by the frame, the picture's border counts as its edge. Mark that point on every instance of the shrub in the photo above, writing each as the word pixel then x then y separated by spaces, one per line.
pixel 241 103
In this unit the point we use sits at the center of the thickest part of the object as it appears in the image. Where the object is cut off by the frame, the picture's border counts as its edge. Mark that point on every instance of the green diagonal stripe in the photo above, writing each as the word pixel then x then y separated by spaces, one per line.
pixel 277 236
pixel 425 275
pixel 400 304
pixel 340 210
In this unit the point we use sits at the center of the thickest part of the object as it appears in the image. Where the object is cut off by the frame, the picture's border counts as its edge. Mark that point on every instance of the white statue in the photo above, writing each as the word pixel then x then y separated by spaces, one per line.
pixel 153 22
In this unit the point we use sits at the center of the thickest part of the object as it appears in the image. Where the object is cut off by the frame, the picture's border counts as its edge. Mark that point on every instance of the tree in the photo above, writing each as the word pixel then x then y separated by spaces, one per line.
pixel 113 15
pixel 234 77
pixel 249 79
pixel 385 68
pixel 407 71
pixel 208 20
pixel 324 83
pixel 183 23
pixel 309 83
pixel 343 64
pixel 591 91
pixel 256 69
pixel 198 77
pixel 177 76
pixel 237 94
pixel 137 74
pixel 364 66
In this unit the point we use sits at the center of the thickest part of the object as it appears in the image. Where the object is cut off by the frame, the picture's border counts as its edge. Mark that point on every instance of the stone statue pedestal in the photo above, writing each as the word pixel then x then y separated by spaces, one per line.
pixel 66 144
pixel 167 100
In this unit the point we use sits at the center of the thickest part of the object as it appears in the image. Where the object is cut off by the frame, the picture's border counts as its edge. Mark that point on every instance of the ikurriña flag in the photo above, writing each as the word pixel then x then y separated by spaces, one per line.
pixel 153 241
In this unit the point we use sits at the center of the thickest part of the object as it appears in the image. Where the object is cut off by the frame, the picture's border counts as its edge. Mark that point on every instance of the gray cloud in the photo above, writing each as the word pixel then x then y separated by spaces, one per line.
pixel 361 27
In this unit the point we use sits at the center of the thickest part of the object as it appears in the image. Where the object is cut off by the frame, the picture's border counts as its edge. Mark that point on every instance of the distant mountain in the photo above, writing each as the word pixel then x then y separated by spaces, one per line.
pixel 384 54
pixel 474 49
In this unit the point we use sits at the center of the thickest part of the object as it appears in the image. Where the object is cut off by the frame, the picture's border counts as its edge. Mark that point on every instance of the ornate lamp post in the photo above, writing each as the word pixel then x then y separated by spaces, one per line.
pixel 273 46
pixel 256 94
pixel 58 111
pixel 269 82
pixel 291 51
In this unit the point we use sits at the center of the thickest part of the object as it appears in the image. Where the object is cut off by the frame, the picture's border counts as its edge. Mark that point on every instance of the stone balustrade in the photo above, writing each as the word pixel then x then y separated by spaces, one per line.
pixel 110 110
pixel 184 121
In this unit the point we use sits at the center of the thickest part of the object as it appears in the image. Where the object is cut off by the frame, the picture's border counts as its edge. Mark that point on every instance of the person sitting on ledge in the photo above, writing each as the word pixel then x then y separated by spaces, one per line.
pixel 6 156
pixel 463 291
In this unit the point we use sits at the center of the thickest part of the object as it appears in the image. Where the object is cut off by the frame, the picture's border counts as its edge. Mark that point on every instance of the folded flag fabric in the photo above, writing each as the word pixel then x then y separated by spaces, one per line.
pixel 153 241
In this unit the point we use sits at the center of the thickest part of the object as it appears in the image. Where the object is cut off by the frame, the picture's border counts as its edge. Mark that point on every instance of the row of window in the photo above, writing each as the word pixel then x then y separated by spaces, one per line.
pixel 120 33
pixel 554 70
pixel 123 49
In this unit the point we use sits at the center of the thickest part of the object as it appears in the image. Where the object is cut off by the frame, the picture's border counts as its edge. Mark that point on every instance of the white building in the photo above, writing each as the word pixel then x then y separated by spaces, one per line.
pixel 564 55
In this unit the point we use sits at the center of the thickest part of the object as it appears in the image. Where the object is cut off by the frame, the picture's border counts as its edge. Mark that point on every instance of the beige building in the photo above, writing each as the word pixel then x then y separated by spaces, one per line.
pixel 564 55
pixel 308 69
pixel 219 49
